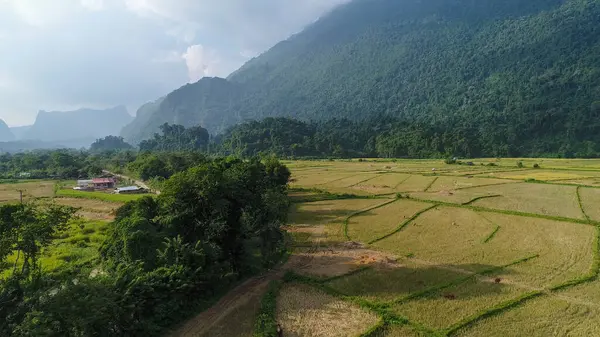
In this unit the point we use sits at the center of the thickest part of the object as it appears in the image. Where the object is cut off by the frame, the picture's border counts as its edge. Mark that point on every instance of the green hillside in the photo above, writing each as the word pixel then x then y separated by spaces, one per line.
pixel 509 73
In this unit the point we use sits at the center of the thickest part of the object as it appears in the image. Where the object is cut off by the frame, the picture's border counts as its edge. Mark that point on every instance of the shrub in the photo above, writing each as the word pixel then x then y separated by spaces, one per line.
pixel 520 164
pixel 450 161
pixel 536 166
pixel 492 164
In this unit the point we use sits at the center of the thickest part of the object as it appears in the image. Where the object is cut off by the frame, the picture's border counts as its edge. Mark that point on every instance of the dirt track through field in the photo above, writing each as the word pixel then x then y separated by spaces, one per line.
pixel 251 290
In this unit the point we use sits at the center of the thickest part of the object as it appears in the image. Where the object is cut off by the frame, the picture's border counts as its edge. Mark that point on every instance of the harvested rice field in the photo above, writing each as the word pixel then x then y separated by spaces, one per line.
pixel 421 248
pixel 441 309
pixel 305 311
pixel 544 199
pixel 542 316
pixel 378 222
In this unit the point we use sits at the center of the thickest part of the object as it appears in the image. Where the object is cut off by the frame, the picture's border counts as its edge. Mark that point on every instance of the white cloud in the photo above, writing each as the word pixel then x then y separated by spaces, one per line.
pixel 75 53
pixel 94 5
pixel 200 62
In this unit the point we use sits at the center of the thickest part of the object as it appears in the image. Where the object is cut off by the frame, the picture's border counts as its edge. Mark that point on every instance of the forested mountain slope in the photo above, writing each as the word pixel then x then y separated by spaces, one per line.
pixel 514 74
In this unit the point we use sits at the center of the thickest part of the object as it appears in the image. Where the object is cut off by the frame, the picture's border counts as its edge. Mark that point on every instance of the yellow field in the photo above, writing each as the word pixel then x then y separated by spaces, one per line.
pixel 394 283
pixel 565 249
pixel 416 183
pixel 546 199
pixel 31 190
pixel 540 317
pixel 448 306
pixel 489 238
pixel 381 221
pixel 544 175
pixel 590 201
pixel 305 311
pixel 91 209
pixel 382 183
pixel 444 183
pixel 328 211
pixel 446 235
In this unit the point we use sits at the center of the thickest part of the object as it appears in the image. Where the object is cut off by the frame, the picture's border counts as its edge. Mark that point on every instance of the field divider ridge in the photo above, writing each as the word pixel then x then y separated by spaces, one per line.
pixel 481 197
pixel 495 310
pixel 346 221
pixel 431 184
pixel 403 224
pixel 458 281
pixel 375 175
pixel 402 181
pixel 509 212
pixel 577 191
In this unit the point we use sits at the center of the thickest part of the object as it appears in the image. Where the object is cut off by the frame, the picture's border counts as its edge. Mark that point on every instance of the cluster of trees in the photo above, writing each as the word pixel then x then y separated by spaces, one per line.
pixel 177 138
pixel 60 164
pixel 110 143
pixel 213 224
pixel 387 137
pixel 162 165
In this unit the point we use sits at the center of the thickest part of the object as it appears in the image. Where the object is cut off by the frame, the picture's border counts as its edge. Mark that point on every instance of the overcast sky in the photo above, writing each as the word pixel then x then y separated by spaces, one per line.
pixel 67 54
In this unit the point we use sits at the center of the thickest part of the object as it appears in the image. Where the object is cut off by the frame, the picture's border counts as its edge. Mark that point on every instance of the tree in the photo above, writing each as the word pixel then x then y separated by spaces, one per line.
pixel 110 143
pixel 26 229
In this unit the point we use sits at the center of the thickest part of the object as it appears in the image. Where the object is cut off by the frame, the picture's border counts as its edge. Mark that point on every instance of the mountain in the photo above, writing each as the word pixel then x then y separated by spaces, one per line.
pixel 20 131
pixel 82 126
pixel 5 134
pixel 516 74
pixel 138 126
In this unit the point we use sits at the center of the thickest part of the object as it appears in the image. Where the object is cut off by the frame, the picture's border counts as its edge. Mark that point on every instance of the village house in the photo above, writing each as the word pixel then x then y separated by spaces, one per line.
pixel 103 183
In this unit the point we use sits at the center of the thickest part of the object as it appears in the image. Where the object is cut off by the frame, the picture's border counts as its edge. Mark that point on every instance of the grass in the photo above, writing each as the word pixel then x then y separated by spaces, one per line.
pixel 76 247
pixel 109 197
pixel 266 320
pixel 378 222
pixel 306 311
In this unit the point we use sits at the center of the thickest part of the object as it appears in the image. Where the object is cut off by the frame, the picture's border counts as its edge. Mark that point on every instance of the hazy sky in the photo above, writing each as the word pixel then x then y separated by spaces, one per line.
pixel 67 54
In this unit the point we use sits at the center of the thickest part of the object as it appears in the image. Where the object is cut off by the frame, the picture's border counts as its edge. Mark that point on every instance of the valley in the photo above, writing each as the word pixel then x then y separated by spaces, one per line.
pixel 400 249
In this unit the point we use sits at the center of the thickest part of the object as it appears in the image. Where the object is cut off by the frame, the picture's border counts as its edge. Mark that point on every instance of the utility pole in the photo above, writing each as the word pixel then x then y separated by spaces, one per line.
pixel 21 196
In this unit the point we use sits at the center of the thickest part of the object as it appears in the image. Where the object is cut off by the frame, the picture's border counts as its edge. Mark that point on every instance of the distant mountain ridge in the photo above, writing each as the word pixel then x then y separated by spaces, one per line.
pixel 81 126
pixel 6 134
pixel 517 74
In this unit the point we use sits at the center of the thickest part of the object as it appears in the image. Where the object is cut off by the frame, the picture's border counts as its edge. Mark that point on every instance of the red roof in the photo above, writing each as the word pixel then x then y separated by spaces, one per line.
pixel 102 180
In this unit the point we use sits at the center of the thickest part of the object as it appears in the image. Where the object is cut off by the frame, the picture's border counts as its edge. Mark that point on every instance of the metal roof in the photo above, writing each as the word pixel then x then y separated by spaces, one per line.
pixel 103 180
pixel 128 188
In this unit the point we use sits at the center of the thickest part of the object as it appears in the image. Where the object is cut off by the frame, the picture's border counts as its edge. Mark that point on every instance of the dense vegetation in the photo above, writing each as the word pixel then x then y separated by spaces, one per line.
pixel 518 76
pixel 177 138
pixel 213 225
pixel 110 143
pixel 59 164
pixel 380 136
